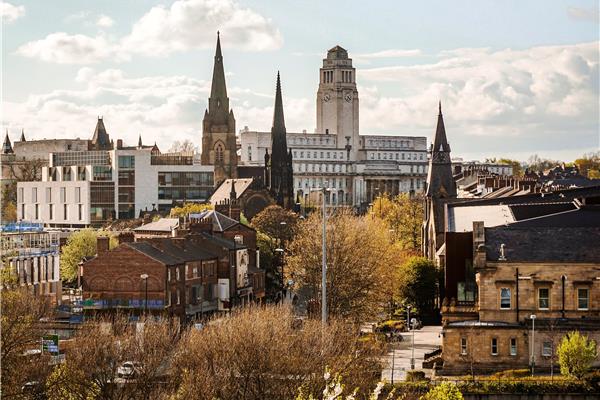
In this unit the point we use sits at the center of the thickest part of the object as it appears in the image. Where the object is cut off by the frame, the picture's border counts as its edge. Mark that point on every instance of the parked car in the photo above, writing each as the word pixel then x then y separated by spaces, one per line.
pixel 128 370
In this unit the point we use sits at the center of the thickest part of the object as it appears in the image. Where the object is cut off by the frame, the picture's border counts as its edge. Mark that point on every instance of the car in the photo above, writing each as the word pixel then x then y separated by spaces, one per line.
pixel 128 370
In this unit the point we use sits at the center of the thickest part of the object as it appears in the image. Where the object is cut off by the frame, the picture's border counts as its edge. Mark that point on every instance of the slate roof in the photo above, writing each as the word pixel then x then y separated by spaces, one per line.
pixel 186 250
pixel 224 189
pixel 226 243
pixel 220 221
pixel 152 252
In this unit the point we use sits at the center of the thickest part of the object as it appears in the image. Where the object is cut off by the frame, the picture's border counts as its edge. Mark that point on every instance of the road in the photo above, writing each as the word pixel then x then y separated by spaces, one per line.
pixel 426 339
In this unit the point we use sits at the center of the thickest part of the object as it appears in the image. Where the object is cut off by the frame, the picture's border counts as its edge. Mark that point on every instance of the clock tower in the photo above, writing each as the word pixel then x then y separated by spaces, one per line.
pixel 337 99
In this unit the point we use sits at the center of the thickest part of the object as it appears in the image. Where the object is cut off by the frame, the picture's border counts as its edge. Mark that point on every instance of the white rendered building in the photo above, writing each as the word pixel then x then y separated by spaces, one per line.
pixel 355 167
pixel 88 188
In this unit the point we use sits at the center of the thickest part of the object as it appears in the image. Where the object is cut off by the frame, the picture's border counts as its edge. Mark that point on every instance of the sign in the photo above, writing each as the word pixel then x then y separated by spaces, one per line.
pixel 50 344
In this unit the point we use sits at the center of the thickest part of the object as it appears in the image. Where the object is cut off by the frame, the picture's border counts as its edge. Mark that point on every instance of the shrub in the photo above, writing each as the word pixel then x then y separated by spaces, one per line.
pixel 512 373
pixel 415 376
pixel 443 391
pixel 390 325
pixel 576 354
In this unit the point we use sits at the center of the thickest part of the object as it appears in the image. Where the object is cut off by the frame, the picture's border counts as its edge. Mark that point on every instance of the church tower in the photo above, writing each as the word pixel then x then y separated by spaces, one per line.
pixel 101 139
pixel 218 126
pixel 279 165
pixel 440 189
pixel 337 99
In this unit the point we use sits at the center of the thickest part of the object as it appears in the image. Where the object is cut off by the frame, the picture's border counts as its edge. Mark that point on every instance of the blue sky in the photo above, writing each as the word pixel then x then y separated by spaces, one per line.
pixel 515 77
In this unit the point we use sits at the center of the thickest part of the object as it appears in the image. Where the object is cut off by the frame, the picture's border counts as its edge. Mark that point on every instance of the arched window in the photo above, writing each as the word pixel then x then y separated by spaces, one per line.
pixel 219 152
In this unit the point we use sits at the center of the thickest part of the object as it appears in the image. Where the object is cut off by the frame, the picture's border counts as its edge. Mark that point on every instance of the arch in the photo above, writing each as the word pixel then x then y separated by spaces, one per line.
pixel 123 284
pixel 98 283
pixel 219 149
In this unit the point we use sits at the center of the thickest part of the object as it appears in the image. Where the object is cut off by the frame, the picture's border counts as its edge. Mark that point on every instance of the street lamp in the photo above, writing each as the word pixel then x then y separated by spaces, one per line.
pixel 145 278
pixel 324 262
pixel 413 322
pixel 532 343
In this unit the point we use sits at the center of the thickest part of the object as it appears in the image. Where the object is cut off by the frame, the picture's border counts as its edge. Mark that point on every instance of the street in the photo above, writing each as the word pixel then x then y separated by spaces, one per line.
pixel 426 339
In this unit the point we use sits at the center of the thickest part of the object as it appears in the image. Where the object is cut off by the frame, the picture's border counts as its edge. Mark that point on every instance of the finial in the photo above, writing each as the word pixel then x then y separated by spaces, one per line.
pixel 440 106
pixel 218 33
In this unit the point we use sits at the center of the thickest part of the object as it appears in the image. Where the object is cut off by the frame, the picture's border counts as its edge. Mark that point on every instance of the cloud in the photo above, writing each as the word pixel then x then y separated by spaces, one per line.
pixel 391 53
pixel 104 21
pixel 10 13
pixel 584 14
pixel 63 48
pixel 186 25
pixel 161 108
pixel 545 94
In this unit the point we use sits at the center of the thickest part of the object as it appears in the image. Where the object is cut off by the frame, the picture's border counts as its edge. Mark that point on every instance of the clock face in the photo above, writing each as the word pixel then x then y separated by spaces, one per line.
pixel 326 97
pixel 348 97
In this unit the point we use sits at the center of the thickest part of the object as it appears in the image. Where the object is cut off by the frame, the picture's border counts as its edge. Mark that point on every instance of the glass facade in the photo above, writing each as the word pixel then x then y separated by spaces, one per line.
pixel 185 185
pixel 102 202
pixel 81 158
pixel 126 178
pixel 101 173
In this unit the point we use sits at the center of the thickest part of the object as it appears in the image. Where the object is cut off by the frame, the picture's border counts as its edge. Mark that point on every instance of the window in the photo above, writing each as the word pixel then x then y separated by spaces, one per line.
pixel 77 195
pixel 513 346
pixel 37 211
pixel 63 195
pixel 51 210
pixel 168 275
pixel 48 195
pixel 65 212
pixel 178 296
pixel 543 298
pixel 20 195
pixel 126 161
pixel 583 299
pixel 34 195
pixel 80 212
pixel 218 155
pixel 195 272
pixel 22 211
pixel 547 349
pixel 177 276
pixel 504 298
pixel 463 346
pixel 494 346
pixel 250 153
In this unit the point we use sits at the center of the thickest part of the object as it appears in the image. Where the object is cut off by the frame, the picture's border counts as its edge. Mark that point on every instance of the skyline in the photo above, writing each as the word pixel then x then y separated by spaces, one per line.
pixel 530 89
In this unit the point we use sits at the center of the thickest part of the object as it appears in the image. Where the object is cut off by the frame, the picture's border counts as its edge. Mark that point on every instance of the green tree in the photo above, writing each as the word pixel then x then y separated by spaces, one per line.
pixel 517 168
pixel 276 222
pixel 575 354
pixel 589 165
pixel 443 391
pixel 419 285
pixel 79 245
pixel 403 214
pixel 189 208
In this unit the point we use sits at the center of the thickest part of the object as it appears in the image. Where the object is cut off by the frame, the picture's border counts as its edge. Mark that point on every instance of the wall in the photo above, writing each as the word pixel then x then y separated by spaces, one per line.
pixel 43 203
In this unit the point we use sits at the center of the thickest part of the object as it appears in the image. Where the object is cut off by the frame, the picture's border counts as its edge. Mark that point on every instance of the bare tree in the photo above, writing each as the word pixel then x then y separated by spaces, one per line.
pixel 265 353
pixel 184 146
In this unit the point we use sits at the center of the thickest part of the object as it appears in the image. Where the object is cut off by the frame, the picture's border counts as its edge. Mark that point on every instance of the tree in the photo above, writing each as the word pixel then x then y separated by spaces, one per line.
pixel 189 208
pixel 403 214
pixel 576 354
pixel 360 263
pixel 267 353
pixel 79 245
pixel 589 165
pixel 185 146
pixel 538 164
pixel 9 202
pixel 21 331
pixel 276 222
pixel 517 168
pixel 443 391
pixel 24 171
pixel 420 283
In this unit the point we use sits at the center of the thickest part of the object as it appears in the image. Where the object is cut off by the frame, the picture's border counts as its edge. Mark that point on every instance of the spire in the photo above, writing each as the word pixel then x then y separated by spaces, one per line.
pixel 7 146
pixel 278 120
pixel 218 93
pixel 100 140
pixel 140 141
pixel 232 193
pixel 440 143
pixel 22 135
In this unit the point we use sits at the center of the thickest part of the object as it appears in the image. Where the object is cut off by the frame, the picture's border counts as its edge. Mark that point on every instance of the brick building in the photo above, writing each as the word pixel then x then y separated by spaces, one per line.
pixel 547 266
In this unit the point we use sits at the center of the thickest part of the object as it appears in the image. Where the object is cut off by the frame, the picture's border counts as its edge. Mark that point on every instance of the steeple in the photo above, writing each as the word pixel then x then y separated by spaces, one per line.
pixel 440 143
pixel 7 146
pixel 278 119
pixel 100 140
pixel 232 193
pixel 140 141
pixel 22 135
pixel 218 103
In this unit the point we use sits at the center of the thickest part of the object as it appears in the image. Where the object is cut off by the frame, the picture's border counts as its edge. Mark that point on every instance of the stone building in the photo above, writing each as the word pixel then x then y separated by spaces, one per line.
pixel 218 126
pixel 547 266
pixel 356 167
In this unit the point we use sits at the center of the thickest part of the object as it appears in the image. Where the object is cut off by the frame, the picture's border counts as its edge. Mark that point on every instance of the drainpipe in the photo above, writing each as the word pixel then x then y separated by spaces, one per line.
pixel 563 279
pixel 517 293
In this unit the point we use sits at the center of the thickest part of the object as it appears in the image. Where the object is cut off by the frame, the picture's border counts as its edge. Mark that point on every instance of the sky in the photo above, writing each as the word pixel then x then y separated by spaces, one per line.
pixel 515 78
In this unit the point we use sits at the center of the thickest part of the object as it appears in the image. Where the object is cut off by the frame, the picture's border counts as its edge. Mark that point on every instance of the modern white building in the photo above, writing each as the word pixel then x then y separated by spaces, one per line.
pixel 355 167
pixel 88 188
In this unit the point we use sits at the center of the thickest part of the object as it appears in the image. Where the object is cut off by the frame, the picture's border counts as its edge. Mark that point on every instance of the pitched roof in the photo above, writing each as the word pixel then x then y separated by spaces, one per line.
pixel 162 225
pixel 220 221
pixel 7 146
pixel 101 140
pixel 152 252
pixel 224 189
pixel 226 243
pixel 184 249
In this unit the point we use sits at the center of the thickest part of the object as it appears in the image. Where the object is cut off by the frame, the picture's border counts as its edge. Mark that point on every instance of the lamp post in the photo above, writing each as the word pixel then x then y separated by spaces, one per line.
pixel 145 278
pixel 412 358
pixel 532 343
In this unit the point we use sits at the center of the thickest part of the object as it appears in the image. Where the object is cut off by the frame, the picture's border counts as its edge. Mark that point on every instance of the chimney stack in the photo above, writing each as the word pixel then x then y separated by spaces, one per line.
pixel 102 244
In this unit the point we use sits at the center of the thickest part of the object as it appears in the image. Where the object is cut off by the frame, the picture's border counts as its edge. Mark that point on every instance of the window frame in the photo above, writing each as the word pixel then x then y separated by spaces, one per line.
pixel 463 346
pixel 513 349
pixel 550 347
pixel 587 299
pixel 494 345
pixel 509 298
pixel 539 298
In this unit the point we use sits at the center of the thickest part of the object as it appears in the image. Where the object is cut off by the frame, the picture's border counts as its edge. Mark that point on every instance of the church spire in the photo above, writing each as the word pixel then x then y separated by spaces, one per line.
pixel 440 143
pixel 100 140
pixel 22 135
pixel 7 146
pixel 278 119
pixel 140 141
pixel 218 92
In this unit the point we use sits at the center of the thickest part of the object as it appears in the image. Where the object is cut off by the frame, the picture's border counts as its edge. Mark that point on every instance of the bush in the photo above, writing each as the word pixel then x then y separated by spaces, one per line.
pixel 576 354
pixel 415 376
pixel 391 325
pixel 443 391
pixel 525 387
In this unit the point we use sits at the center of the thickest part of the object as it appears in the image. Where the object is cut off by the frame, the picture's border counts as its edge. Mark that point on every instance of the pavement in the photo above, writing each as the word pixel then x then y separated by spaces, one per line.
pixel 426 339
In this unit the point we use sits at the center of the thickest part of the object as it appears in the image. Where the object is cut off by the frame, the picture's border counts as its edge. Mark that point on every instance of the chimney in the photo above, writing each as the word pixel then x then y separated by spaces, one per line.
pixel 102 244
pixel 126 237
